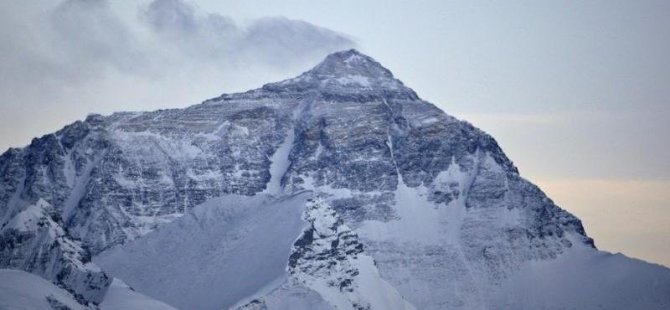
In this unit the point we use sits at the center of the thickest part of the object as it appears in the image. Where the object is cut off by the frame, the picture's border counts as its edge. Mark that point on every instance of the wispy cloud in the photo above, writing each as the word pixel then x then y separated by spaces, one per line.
pixel 274 41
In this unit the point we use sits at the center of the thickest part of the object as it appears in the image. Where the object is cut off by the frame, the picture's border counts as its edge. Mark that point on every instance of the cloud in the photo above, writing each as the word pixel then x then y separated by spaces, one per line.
pixel 89 36
pixel 92 34
pixel 60 60
pixel 272 41
pixel 297 39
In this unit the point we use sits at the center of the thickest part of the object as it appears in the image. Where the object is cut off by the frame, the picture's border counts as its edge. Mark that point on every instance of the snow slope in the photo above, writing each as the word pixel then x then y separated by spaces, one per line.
pixel 20 290
pixel 121 297
pixel 583 278
pixel 280 164
pixel 224 251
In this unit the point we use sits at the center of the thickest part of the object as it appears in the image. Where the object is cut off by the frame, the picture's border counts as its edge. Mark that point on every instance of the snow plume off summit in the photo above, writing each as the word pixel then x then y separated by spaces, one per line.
pixel 336 189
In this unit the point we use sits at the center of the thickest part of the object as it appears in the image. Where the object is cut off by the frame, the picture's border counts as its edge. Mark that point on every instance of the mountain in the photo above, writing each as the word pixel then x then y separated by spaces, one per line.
pixel 337 189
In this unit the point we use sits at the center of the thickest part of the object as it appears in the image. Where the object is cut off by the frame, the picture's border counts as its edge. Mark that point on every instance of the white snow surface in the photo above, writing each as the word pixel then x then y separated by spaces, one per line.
pixel 77 183
pixel 222 252
pixel 584 278
pixel 354 79
pixel 29 218
pixel 121 297
pixel 291 296
pixel 20 290
pixel 280 163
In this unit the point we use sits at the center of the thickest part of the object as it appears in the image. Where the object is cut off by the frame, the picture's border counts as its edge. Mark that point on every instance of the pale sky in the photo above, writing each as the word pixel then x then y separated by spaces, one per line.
pixel 576 93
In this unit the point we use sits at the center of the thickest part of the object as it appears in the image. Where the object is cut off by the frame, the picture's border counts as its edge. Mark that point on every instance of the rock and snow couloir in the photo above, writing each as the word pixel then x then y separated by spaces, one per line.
pixel 339 188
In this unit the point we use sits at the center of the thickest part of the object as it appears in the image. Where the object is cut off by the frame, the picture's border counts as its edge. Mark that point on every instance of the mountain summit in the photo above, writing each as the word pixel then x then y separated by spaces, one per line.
pixel 350 63
pixel 336 189
pixel 346 73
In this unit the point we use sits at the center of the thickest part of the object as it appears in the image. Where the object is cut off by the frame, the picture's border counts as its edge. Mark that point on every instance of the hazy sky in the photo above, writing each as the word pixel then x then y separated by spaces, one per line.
pixel 576 93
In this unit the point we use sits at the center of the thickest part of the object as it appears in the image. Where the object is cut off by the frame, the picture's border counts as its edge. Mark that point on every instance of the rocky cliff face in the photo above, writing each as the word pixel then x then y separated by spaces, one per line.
pixel 432 200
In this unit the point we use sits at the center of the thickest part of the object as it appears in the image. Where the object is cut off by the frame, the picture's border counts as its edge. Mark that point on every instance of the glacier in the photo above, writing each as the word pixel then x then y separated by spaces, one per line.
pixel 336 189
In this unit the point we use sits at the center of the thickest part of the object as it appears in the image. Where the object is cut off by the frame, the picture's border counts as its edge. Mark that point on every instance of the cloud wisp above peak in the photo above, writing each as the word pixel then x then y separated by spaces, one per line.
pixel 65 59
pixel 273 41
pixel 96 31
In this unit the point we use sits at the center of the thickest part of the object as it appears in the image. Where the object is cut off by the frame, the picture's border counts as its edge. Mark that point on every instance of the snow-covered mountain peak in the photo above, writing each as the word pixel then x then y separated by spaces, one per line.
pixel 208 207
pixel 346 72
pixel 350 63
